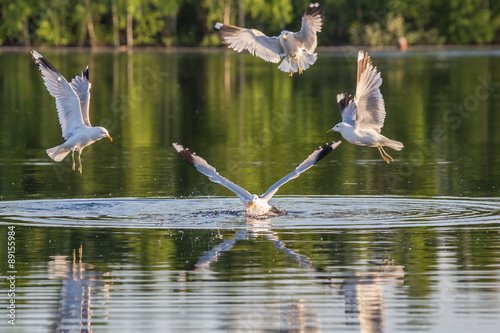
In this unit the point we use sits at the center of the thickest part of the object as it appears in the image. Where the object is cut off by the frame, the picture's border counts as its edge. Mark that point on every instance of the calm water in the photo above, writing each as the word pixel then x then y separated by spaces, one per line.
pixel 141 241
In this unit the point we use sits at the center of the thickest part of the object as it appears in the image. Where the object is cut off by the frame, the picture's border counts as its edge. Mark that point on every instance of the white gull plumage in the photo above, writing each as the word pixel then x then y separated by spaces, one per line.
pixel 363 115
pixel 297 47
pixel 72 103
pixel 254 204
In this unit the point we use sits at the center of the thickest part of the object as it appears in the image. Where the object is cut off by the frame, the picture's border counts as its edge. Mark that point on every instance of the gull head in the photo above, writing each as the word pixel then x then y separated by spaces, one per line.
pixel 284 34
pixel 103 133
pixel 252 202
pixel 338 128
pixel 257 206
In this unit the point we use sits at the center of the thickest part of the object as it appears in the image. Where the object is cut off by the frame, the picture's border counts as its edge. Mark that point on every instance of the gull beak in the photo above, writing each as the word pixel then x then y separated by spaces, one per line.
pixel 283 36
pixel 110 138
pixel 249 205
pixel 330 130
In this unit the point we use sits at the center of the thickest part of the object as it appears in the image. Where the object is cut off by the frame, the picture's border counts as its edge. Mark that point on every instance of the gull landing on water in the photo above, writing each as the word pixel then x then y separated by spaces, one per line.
pixel 72 104
pixel 363 115
pixel 254 205
pixel 297 47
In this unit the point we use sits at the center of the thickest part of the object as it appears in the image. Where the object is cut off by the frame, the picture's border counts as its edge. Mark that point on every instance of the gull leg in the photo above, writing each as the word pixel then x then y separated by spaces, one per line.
pixel 80 161
pixel 73 157
pixel 291 71
pixel 300 70
pixel 383 156
pixel 392 160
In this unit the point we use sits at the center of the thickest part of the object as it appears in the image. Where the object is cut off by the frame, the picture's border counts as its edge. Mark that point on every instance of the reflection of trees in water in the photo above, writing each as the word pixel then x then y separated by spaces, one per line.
pixel 75 300
pixel 363 292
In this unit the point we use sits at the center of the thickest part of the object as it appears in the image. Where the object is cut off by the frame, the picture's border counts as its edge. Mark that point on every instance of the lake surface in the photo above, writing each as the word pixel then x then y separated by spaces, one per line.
pixel 142 242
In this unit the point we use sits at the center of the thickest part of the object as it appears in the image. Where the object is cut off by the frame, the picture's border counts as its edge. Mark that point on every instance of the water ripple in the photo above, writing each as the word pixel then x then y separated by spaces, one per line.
pixel 304 212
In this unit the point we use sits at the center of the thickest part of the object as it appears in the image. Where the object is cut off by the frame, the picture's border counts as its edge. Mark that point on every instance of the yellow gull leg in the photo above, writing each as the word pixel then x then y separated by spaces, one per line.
pixel 392 160
pixel 383 156
pixel 73 157
pixel 80 161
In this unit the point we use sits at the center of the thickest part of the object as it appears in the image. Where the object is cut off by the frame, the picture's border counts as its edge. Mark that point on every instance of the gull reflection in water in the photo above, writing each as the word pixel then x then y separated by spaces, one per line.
pixel 295 314
pixel 75 298
pixel 363 292
pixel 255 228
pixel 364 295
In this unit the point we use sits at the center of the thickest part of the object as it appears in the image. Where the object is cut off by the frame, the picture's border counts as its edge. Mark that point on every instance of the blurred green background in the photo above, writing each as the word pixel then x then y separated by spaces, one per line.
pixel 190 22
pixel 254 123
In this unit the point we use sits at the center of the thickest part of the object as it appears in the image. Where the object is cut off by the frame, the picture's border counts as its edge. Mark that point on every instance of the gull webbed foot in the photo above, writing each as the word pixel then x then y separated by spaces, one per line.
pixel 385 156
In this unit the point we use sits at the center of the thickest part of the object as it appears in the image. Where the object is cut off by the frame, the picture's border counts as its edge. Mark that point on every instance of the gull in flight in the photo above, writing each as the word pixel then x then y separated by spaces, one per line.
pixel 297 47
pixel 363 115
pixel 72 104
pixel 254 204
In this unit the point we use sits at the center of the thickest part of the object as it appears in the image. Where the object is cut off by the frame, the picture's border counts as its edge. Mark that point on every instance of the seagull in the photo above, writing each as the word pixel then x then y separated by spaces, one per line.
pixel 254 205
pixel 296 47
pixel 363 115
pixel 72 104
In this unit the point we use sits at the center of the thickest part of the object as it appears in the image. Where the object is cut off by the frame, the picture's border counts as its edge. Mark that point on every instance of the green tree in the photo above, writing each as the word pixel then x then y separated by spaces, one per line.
pixel 54 23
pixel 471 21
pixel 15 27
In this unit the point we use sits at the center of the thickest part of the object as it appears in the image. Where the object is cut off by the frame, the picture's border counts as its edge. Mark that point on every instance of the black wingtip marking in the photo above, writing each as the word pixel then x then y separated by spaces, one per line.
pixel 44 62
pixel 344 102
pixel 314 9
pixel 327 149
pixel 226 30
pixel 185 153
pixel 86 73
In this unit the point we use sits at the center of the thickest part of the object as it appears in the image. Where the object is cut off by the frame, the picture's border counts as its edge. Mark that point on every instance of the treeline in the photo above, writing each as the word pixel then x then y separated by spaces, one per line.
pixel 190 22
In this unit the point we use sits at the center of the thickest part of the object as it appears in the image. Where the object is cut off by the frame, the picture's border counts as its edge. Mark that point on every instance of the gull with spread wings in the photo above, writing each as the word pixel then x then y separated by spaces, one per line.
pixel 363 115
pixel 297 47
pixel 72 104
pixel 254 204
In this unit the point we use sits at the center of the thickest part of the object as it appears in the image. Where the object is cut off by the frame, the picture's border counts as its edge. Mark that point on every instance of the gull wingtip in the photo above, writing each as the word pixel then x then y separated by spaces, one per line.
pixel 361 55
pixel 177 146
pixel 36 55
pixel 335 144
pixel 340 96
pixel 218 25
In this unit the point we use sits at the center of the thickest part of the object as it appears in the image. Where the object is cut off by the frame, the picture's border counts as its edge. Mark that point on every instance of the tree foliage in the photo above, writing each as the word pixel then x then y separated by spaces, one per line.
pixel 190 22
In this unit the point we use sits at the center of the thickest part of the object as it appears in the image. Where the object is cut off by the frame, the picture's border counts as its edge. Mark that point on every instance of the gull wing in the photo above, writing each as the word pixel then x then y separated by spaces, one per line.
pixel 317 155
pixel 81 86
pixel 347 108
pixel 312 21
pixel 239 39
pixel 67 102
pixel 368 99
pixel 202 166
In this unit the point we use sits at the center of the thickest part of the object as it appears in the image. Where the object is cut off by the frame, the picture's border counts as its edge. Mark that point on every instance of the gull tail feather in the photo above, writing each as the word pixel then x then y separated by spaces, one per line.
pixel 285 65
pixel 58 153
pixel 307 59
pixel 396 145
